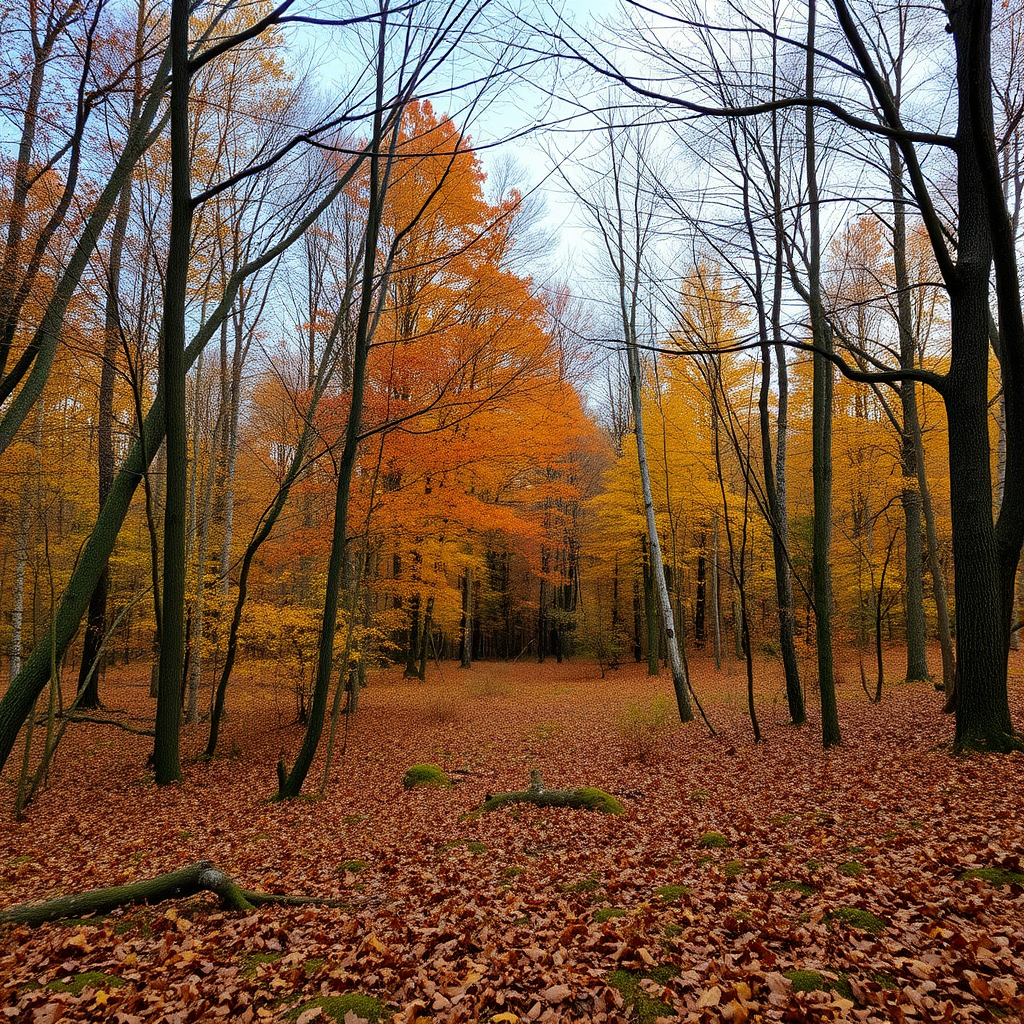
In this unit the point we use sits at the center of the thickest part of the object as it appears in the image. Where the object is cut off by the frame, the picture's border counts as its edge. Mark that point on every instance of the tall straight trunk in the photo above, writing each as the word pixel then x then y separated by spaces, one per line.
pixel 20 563
pixel 910 495
pixel 172 374
pixel 821 429
pixel 466 647
pixel 985 553
pixel 542 625
pixel 679 681
pixel 426 638
pixel 937 575
pixel 651 617
pixel 774 470
pixel 716 602
pixel 413 653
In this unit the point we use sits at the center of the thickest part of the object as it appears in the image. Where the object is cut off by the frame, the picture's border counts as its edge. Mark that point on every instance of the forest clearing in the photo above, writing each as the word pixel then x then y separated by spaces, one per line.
pixel 880 880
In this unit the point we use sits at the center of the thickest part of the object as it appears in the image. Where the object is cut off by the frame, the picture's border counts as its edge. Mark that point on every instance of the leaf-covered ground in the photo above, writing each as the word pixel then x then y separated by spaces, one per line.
pixel 877 882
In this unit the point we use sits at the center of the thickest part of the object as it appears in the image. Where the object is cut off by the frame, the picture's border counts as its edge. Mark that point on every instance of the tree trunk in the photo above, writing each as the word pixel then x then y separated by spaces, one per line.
pixel 650 614
pixel 716 600
pixel 679 681
pixel 917 653
pixel 172 375
pixel 821 430
pixel 426 639
pixel 199 877
pixel 466 647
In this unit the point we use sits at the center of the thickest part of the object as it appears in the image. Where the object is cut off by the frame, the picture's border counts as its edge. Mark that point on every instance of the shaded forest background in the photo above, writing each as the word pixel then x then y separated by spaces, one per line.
pixel 394 436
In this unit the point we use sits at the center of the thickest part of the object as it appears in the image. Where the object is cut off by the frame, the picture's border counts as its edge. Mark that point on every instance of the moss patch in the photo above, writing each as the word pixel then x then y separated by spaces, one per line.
pixel 355 866
pixel 599 800
pixel 312 965
pixel 713 841
pixel 806 981
pixel 588 798
pixel 335 1008
pixel 252 961
pixel 995 876
pixel 733 869
pixel 424 775
pixel 852 868
pixel 608 913
pixel 645 1009
pixel 790 886
pixel 672 893
pixel 77 983
pixel 857 918
pixel 583 885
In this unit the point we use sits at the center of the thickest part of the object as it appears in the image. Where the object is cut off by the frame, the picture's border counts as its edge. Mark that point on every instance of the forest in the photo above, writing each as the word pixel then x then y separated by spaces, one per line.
pixel 511 513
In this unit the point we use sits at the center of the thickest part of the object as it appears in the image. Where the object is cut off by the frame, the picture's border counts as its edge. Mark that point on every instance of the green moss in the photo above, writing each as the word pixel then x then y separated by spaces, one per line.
pixel 699 794
pixel 857 918
pixel 312 965
pixel 814 865
pixel 789 886
pixel 994 876
pixel 852 868
pixel 424 775
pixel 713 841
pixel 336 1007
pixel 806 981
pixel 513 871
pixel 782 819
pixel 672 893
pixel 599 800
pixel 90 979
pixel 589 798
pixel 252 961
pixel 733 869
pixel 583 885
pixel 645 1009
pixel 355 866
pixel 855 849
pixel 352 819
pixel 672 930
pixel 608 913
pixel 841 986
pixel 887 981
pixel 474 846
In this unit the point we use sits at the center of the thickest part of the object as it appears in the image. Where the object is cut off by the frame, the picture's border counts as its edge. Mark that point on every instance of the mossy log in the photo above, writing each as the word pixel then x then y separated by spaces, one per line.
pixel 585 798
pixel 199 877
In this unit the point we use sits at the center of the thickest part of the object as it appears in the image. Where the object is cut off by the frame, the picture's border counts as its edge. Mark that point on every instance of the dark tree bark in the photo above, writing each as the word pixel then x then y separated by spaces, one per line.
pixel 821 428
pixel 199 877
pixel 172 376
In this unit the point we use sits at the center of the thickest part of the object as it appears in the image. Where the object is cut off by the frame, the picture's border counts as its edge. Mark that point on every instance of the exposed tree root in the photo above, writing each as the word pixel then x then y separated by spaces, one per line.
pixel 199 877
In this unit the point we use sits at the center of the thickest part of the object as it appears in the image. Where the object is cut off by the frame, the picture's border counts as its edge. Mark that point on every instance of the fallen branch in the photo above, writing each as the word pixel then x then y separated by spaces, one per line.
pixel 199 877
pixel 108 721
pixel 586 798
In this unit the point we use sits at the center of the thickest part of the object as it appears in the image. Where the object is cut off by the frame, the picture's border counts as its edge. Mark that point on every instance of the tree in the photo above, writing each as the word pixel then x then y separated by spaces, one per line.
pixel 986 545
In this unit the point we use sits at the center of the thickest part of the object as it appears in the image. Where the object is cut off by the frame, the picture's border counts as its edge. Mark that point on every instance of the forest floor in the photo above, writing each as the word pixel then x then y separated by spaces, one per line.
pixel 880 881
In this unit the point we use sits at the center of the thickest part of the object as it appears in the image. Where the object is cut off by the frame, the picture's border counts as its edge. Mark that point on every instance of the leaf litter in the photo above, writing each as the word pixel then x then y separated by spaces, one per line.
pixel 454 918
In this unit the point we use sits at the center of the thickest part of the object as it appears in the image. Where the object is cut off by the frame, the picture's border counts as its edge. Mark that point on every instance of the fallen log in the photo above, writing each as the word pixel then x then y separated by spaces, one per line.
pixel 199 877
pixel 586 798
